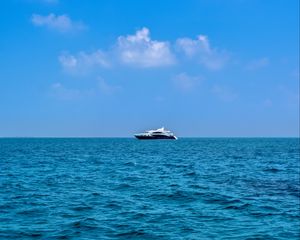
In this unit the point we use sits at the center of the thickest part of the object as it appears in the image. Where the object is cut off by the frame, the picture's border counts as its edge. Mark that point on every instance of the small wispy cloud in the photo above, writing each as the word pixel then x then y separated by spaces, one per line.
pixel 50 1
pixel 295 73
pixel 83 62
pixel 267 103
pixel 291 96
pixel 201 51
pixel 47 2
pixel 185 82
pixel 258 64
pixel 61 23
pixel 107 88
pixel 224 93
pixel 141 51
pixel 159 99
pixel 61 92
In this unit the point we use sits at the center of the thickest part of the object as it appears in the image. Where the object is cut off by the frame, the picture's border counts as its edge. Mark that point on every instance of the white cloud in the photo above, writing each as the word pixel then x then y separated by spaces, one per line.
pixel 140 51
pixel 137 50
pixel 186 82
pixel 224 93
pixel 258 63
pixel 61 23
pixel 201 50
pixel 83 62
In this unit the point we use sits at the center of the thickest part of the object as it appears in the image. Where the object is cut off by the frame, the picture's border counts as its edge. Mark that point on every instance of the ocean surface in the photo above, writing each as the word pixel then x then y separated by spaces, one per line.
pixel 197 188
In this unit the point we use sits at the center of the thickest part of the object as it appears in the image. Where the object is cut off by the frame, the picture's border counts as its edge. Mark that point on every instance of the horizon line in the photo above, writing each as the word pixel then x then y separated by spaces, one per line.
pixel 128 137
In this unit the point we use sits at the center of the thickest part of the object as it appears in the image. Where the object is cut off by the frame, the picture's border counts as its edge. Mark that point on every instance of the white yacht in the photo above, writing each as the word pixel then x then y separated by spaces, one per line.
pixel 159 133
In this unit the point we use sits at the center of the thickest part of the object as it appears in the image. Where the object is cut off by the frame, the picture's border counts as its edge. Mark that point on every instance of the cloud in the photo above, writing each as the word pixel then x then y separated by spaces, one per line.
pixel 291 96
pixel 201 51
pixel 224 93
pixel 186 82
pixel 267 102
pixel 61 23
pixel 83 62
pixel 295 73
pixel 140 51
pixel 63 93
pixel 159 99
pixel 50 1
pixel 136 50
pixel 107 88
pixel 258 63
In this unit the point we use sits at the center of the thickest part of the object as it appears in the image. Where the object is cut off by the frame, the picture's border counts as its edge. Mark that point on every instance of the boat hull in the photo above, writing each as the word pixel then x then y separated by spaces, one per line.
pixel 141 137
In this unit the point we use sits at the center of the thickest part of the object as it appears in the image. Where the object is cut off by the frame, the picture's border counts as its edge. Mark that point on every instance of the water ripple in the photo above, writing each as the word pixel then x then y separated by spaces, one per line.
pixel 129 189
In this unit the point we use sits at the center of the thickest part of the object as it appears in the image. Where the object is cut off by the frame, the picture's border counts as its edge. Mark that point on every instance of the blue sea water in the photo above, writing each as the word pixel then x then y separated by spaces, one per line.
pixel 205 188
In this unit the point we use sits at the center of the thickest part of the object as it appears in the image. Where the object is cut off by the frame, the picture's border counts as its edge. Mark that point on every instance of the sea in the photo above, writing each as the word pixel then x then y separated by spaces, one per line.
pixel 123 188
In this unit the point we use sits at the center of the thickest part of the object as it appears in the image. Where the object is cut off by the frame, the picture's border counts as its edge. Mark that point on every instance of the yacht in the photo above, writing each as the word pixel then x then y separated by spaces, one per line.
pixel 159 133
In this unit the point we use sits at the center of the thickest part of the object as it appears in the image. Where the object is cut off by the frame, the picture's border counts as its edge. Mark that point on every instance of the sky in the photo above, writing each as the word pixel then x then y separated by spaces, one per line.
pixel 201 68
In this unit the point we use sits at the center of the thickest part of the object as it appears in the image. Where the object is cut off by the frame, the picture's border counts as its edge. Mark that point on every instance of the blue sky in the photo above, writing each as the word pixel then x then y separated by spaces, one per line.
pixel 206 68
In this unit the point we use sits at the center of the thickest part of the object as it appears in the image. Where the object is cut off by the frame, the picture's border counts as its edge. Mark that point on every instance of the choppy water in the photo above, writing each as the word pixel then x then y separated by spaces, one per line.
pixel 130 189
